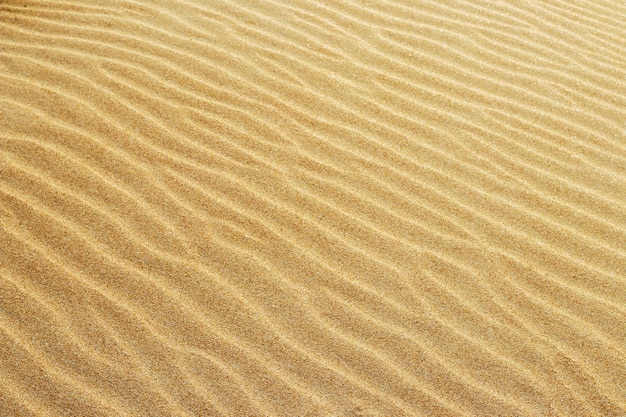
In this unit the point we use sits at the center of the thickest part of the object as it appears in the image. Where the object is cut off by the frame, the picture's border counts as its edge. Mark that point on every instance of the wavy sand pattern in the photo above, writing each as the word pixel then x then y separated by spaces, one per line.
pixel 307 208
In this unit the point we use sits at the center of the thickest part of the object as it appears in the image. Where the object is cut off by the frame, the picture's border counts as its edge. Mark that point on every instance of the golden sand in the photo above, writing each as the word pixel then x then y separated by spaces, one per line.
pixel 313 208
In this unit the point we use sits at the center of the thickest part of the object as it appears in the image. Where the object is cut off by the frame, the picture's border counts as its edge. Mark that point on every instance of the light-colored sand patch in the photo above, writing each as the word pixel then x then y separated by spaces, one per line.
pixel 306 208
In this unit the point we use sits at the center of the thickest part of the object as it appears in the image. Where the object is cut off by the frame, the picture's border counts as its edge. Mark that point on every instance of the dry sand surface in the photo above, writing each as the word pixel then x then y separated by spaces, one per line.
pixel 342 208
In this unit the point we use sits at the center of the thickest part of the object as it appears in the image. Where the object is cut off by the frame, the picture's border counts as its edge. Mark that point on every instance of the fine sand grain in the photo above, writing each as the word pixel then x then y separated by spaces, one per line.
pixel 343 208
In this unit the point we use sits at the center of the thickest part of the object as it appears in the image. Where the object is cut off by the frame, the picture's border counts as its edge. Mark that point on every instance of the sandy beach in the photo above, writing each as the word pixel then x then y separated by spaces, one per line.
pixel 298 208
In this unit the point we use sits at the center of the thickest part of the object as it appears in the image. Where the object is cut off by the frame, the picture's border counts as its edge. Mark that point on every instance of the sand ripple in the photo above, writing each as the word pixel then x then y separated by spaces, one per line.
pixel 306 208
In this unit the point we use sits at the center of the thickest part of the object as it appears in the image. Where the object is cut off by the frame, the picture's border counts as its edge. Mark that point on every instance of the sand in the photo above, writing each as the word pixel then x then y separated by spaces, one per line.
pixel 351 208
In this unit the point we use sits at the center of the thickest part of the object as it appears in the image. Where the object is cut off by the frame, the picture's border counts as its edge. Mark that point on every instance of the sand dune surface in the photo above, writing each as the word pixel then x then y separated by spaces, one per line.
pixel 350 208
